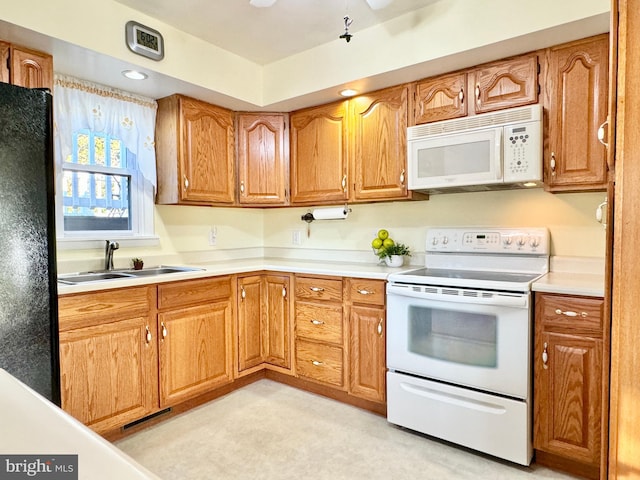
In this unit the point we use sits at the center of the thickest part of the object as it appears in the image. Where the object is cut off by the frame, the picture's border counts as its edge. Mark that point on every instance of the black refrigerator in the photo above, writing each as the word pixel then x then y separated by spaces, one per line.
pixel 28 283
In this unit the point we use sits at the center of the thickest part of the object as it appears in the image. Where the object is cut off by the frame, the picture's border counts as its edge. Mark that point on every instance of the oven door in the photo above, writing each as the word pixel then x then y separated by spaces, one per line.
pixel 473 338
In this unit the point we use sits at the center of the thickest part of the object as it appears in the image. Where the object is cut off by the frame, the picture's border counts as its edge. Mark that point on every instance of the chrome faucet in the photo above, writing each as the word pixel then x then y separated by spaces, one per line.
pixel 109 248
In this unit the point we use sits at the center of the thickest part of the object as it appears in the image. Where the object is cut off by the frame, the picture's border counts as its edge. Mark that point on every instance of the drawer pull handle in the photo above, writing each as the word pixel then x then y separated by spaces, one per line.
pixel 545 356
pixel 380 328
pixel 317 322
pixel 569 313
pixel 316 289
pixel 149 337
pixel 366 292
pixel 316 363
pixel 164 330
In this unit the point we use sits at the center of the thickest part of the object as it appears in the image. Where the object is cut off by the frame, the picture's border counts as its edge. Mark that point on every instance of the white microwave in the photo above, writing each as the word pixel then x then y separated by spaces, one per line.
pixel 489 151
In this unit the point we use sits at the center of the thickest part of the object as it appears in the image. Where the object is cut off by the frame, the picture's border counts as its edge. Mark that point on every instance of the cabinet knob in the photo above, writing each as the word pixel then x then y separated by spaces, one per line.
pixel 148 336
pixel 316 363
pixel 317 322
pixel 402 178
pixel 366 292
pixel 186 182
pixel 461 95
pixel 552 163
pixel 545 356
pixel 316 289
pixel 242 187
pixel 243 294
pixel 164 330
pixel 344 182
pixel 478 93
pixel 284 292
pixel 380 328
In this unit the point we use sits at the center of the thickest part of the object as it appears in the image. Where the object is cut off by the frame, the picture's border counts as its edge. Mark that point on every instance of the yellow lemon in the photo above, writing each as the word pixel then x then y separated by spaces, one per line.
pixel 376 243
pixel 388 243
pixel 383 234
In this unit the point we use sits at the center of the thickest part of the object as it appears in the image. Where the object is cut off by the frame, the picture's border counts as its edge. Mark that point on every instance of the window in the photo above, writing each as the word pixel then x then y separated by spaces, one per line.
pixel 105 162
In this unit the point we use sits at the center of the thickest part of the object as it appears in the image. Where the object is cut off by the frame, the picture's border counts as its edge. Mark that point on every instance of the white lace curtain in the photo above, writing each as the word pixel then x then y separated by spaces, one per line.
pixel 79 104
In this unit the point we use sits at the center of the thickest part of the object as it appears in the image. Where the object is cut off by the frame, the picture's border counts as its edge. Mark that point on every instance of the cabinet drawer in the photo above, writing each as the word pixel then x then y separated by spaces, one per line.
pixel 320 362
pixel 97 308
pixel 189 292
pixel 371 292
pixel 319 289
pixel 319 322
pixel 570 313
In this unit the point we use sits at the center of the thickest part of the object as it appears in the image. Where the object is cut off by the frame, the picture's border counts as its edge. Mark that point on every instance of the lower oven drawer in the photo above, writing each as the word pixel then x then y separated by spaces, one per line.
pixel 495 425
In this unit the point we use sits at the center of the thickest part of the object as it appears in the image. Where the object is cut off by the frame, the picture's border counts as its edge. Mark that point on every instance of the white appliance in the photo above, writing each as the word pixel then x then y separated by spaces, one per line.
pixel 459 339
pixel 482 152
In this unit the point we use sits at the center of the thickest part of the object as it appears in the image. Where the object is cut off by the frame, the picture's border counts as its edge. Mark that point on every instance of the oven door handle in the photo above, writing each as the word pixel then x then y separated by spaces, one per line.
pixel 457 400
pixel 515 299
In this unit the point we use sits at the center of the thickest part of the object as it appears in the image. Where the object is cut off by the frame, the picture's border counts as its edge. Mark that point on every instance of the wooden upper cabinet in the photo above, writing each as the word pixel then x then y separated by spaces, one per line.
pixel 319 154
pixel 263 173
pixel 194 152
pixel 494 86
pixel 4 62
pixel 31 69
pixel 576 91
pixel 441 98
pixel 378 126
pixel 505 84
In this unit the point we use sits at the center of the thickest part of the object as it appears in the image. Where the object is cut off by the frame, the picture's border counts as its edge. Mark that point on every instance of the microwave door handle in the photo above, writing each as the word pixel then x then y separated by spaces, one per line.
pixel 498 149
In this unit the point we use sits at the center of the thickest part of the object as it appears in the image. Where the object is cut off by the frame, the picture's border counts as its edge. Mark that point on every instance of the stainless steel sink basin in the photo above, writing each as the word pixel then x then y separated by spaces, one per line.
pixel 76 278
pixel 161 271
pixel 101 276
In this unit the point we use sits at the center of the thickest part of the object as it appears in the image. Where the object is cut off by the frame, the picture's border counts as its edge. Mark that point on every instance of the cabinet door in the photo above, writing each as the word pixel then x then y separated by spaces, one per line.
pixel 195 351
pixel 207 159
pixel 109 374
pixel 251 323
pixel 31 69
pixel 319 154
pixel 441 98
pixel 379 144
pixel 4 62
pixel 367 363
pixel 277 310
pixel 505 84
pixel 263 173
pixel 567 398
pixel 577 104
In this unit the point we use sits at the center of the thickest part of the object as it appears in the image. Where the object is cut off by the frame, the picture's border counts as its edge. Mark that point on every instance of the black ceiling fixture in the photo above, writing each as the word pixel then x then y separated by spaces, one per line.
pixel 347 22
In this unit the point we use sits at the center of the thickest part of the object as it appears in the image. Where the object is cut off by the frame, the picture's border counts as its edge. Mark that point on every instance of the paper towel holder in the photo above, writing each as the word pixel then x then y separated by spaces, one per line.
pixel 308 217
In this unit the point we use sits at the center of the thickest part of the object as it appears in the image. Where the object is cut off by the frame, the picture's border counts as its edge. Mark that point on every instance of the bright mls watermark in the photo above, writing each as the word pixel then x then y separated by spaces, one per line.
pixel 50 467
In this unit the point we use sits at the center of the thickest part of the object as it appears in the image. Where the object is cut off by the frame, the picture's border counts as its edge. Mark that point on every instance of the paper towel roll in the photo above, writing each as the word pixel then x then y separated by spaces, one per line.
pixel 334 213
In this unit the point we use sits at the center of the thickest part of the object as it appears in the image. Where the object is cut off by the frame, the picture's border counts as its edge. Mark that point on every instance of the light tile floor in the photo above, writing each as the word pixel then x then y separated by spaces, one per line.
pixel 272 431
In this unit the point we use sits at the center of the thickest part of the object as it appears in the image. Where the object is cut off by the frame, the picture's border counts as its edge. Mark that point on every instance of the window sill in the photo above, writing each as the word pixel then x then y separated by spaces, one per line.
pixel 91 243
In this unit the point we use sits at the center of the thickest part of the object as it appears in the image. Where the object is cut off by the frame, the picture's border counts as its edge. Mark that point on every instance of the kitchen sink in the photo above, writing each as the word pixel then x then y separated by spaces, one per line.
pixel 101 276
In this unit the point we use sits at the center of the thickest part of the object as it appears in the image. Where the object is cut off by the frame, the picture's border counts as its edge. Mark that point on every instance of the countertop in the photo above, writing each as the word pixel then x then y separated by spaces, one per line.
pixel 579 282
pixel 31 425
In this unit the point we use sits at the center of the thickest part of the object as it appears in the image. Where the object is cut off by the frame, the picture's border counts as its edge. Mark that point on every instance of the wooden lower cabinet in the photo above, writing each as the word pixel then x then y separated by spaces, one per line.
pixel 195 338
pixel 264 326
pixel 568 383
pixel 109 356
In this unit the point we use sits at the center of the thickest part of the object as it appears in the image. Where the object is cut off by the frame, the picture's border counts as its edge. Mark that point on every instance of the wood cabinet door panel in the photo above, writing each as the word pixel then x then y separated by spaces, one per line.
pixel 320 362
pixel 577 105
pixel 278 320
pixel 505 84
pixel 251 323
pixel 195 352
pixel 262 166
pixel 31 69
pixel 379 144
pixel 109 372
pixel 441 98
pixel 4 62
pixel 568 396
pixel 207 160
pixel 319 154
pixel 367 362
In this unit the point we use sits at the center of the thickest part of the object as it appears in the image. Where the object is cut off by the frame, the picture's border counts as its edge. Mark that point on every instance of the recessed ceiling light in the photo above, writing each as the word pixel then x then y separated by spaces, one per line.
pixel 348 92
pixel 134 74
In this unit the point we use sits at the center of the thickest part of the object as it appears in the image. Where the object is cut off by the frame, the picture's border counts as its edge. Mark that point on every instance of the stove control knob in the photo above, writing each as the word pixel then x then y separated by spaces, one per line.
pixel 434 241
pixel 521 241
pixel 507 241
pixel 445 240
pixel 534 242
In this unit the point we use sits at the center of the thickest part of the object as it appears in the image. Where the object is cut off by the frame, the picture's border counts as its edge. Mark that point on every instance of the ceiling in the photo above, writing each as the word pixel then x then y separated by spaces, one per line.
pixel 265 35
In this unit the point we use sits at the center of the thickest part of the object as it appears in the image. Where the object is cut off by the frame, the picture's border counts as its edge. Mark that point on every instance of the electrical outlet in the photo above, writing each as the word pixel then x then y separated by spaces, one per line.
pixel 296 237
pixel 213 236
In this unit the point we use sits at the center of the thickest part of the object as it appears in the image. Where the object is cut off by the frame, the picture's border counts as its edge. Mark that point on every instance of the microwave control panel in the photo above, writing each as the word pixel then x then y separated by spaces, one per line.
pixel 522 152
